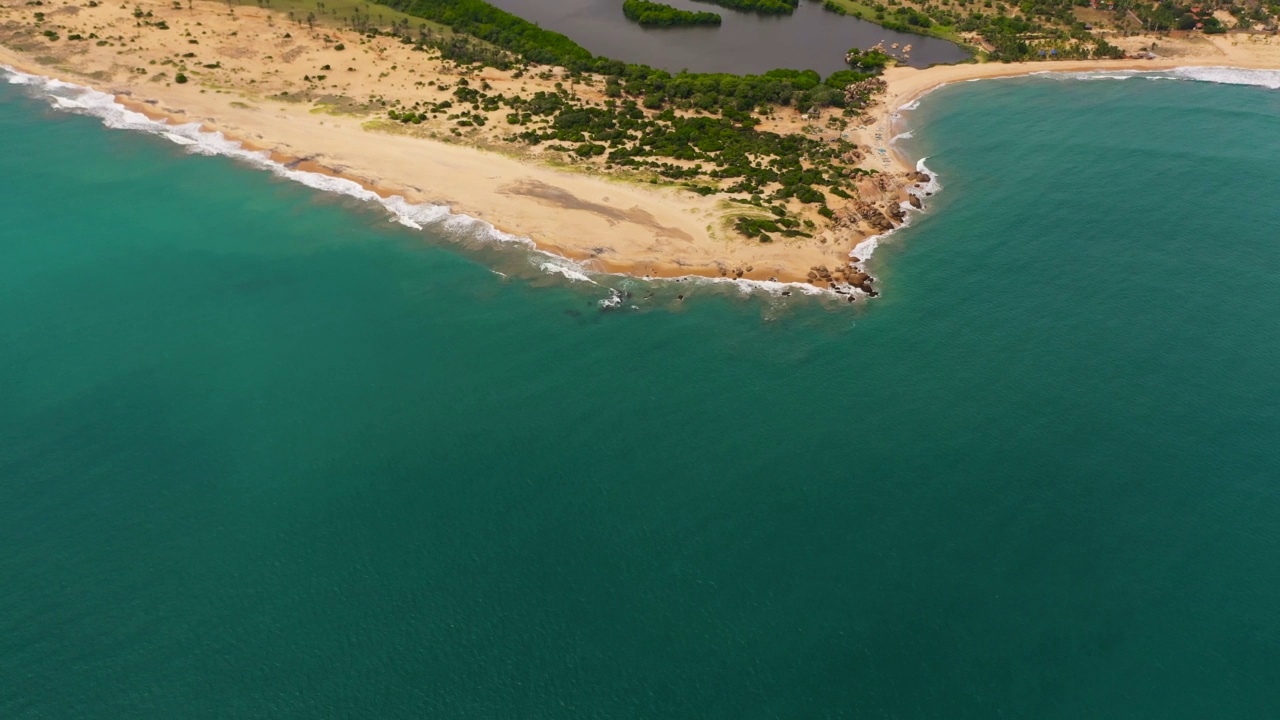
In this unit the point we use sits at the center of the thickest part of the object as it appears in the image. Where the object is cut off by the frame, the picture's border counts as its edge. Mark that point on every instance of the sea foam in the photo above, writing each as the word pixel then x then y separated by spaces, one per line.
pixel 865 249
pixel 1223 75
pixel 77 98
pixel 1230 76
pixel 1212 74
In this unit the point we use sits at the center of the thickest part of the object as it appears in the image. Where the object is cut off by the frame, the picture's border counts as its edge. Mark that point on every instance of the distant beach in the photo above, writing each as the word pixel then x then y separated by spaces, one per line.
pixel 907 85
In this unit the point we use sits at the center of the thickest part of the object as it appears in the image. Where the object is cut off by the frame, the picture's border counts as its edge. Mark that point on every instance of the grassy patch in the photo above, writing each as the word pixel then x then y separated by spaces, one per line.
pixel 292 97
pixel 342 105
pixel 339 14
pixel 866 11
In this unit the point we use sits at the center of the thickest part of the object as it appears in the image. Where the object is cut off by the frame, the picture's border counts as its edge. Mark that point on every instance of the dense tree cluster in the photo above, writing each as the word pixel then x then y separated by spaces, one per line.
pixel 654 14
pixel 709 154
pixel 522 40
pixel 1174 16
pixel 481 20
pixel 773 7
pixel 1026 30
pixel 868 61
pixel 711 146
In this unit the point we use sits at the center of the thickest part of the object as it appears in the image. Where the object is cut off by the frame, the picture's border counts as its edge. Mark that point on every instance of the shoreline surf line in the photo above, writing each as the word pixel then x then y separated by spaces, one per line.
pixel 921 83
pixel 891 115
pixel 612 223
pixel 122 112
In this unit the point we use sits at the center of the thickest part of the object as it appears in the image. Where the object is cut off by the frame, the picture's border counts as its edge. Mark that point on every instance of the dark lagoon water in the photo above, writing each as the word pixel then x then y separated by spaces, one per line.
pixel 810 39
pixel 264 453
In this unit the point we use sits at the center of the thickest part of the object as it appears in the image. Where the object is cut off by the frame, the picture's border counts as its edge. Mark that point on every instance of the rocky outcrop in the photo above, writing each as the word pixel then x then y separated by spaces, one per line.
pixel 843 280
pixel 860 211
pixel 863 93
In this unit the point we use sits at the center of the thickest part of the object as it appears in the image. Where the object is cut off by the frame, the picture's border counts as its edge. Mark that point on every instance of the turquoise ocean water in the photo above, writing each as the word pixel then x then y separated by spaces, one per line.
pixel 264 453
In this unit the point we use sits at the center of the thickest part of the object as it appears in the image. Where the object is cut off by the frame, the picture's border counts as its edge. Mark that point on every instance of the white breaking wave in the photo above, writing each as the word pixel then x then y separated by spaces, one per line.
pixel 1224 75
pixel 929 188
pixel 1088 75
pixel 1230 76
pixel 746 287
pixel 1213 74
pixel 865 249
pixel 567 268
pixel 77 98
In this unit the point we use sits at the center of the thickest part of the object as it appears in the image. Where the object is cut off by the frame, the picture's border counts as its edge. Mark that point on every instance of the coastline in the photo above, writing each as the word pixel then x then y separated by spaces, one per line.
pixel 380 163
pixel 605 222
pixel 600 222
pixel 907 85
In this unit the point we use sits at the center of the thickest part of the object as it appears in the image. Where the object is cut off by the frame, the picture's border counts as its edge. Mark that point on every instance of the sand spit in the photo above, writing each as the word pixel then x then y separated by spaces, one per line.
pixel 310 98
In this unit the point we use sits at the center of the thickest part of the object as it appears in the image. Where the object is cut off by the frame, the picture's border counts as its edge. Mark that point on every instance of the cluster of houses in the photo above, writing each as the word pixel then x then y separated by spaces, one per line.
pixel 1200 16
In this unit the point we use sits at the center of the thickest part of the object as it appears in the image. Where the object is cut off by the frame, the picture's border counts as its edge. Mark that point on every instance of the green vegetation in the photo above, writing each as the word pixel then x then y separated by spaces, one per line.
pixel 773 7
pixel 509 40
pixel 1173 16
pixel 869 61
pixel 696 129
pixel 500 29
pixel 654 14
pixel 709 154
pixel 902 18
pixel 1030 30
pixel 355 14
pixel 1056 29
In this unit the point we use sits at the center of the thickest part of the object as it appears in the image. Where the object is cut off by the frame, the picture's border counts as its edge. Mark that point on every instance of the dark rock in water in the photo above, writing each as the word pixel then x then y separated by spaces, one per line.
pixel 915 202
pixel 786 293
pixel 679 297
pixel 613 302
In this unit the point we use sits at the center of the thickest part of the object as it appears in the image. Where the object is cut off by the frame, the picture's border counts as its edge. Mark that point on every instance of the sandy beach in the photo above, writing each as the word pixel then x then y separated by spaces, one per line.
pixel 317 96
pixel 906 84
